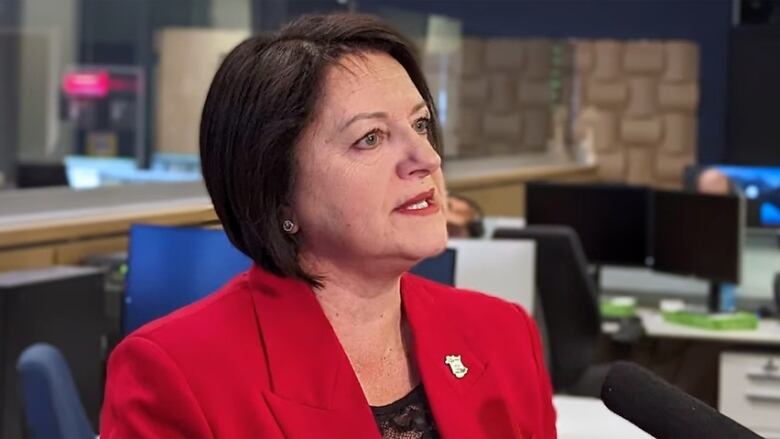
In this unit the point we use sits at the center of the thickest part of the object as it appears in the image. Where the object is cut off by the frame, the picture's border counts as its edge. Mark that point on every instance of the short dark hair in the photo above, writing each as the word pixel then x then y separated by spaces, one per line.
pixel 261 99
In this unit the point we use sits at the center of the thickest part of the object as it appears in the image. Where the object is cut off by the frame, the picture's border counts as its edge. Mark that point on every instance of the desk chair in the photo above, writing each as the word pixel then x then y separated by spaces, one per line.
pixel 169 267
pixel 51 402
pixel 440 268
pixel 569 308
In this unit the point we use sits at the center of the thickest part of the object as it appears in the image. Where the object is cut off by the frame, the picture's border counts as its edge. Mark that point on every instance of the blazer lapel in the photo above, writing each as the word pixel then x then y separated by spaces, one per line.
pixel 313 390
pixel 469 406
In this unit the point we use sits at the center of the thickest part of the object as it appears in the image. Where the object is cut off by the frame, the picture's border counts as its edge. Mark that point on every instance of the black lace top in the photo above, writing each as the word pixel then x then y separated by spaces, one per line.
pixel 408 418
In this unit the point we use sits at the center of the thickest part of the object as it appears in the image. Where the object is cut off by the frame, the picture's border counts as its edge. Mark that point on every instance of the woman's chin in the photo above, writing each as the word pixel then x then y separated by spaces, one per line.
pixel 427 247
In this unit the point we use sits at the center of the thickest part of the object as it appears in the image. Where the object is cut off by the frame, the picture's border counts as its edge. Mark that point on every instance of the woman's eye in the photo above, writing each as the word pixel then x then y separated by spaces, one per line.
pixel 422 125
pixel 370 140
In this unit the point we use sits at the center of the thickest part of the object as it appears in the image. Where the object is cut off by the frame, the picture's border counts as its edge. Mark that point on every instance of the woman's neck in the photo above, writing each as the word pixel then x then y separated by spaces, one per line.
pixel 354 301
pixel 366 314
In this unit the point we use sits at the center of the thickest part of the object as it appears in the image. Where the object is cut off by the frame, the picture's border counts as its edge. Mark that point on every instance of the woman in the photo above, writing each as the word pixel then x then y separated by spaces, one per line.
pixel 319 150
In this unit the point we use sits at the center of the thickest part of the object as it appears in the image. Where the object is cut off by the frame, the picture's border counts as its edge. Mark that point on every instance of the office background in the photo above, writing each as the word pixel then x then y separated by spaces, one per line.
pixel 100 101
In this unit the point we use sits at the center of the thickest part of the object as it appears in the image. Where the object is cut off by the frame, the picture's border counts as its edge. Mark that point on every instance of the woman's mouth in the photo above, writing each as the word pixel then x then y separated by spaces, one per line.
pixel 421 204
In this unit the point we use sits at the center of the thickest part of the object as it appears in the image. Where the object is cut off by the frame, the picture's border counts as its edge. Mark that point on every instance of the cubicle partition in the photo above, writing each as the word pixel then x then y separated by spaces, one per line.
pixel 62 306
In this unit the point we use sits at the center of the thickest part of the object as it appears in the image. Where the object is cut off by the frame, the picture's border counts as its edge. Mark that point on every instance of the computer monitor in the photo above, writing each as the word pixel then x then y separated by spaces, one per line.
pixel 698 234
pixel 760 185
pixel 35 175
pixel 440 268
pixel 503 269
pixel 612 221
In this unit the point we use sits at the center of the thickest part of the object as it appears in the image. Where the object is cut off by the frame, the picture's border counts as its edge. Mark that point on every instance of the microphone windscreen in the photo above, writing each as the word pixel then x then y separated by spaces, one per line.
pixel 661 409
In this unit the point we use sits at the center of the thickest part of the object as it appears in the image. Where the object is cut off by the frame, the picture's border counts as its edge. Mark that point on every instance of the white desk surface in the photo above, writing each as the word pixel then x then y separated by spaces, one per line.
pixel 585 418
pixel 768 332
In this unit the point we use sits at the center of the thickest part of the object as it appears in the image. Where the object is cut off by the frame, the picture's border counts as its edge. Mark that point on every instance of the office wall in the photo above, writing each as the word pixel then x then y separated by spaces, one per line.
pixel 188 60
pixel 48 46
pixel 231 14
pixel 706 23
pixel 9 52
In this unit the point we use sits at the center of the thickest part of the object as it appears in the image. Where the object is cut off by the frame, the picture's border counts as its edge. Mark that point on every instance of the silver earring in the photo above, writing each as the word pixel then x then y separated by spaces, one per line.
pixel 288 226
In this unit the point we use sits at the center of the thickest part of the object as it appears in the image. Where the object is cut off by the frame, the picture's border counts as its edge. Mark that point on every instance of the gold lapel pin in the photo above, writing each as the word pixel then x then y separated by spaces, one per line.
pixel 456 365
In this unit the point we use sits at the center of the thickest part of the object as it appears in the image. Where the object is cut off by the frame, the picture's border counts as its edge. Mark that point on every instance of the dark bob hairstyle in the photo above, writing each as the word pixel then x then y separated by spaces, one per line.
pixel 262 98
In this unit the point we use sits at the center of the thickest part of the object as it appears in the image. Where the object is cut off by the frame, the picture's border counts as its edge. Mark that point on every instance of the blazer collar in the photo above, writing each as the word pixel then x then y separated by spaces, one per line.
pixel 312 385
pixel 439 332
pixel 311 379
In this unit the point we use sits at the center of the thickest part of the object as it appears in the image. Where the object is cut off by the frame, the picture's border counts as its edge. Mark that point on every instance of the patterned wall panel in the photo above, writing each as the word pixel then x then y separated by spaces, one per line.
pixel 638 105
pixel 505 95
pixel 631 104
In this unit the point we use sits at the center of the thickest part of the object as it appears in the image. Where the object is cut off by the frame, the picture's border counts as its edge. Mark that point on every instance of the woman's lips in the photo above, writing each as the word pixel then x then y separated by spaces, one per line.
pixel 420 205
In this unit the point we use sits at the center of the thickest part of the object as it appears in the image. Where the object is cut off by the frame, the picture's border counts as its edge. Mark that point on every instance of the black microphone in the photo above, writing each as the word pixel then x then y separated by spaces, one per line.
pixel 662 410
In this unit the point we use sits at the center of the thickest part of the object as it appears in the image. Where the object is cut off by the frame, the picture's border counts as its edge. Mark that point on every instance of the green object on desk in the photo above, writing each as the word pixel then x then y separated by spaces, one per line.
pixel 614 310
pixel 716 322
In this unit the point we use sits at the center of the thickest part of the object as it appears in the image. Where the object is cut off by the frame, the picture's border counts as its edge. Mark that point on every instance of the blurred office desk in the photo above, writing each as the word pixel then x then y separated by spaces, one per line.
pixel 44 227
pixel 585 418
pixel 760 262
pixel 767 334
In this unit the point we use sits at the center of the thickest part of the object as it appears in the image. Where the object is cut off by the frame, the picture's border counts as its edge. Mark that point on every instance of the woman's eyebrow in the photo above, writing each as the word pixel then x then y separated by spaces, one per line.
pixel 361 116
pixel 379 115
pixel 418 107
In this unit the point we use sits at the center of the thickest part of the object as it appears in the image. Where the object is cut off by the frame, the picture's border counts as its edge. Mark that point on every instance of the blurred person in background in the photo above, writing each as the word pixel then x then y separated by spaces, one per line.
pixel 714 182
pixel 464 217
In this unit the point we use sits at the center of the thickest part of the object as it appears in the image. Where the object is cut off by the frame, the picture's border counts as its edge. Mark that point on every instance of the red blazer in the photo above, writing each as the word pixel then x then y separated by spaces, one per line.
pixel 260 359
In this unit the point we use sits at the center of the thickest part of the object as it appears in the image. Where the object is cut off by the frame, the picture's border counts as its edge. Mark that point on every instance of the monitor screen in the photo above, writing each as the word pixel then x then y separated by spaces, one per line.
pixel 611 220
pixel 698 235
pixel 439 268
pixel 760 185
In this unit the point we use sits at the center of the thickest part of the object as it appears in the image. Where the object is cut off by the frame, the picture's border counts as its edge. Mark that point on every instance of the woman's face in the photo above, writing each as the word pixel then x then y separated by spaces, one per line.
pixel 369 192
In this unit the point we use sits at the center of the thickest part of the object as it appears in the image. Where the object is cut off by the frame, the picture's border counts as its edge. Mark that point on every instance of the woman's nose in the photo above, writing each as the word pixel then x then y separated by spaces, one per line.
pixel 420 158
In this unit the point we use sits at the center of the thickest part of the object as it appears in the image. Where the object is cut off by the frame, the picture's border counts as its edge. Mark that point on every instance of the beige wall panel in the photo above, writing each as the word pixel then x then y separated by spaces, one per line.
pixel 504 54
pixel 644 57
pixel 508 127
pixel 682 62
pixel 607 94
pixel 502 93
pixel 536 129
pixel 471 148
pixel 642 97
pixel 534 92
pixel 502 147
pixel 606 130
pixel 188 60
pixel 652 91
pixel 679 133
pixel 474 91
pixel 671 168
pixel 584 57
pixel 472 57
pixel 469 126
pixel 641 166
pixel 612 166
pixel 682 97
pixel 609 55
pixel 538 59
pixel 641 131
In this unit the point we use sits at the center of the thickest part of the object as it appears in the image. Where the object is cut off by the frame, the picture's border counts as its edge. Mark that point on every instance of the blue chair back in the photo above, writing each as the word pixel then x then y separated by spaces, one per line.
pixel 440 268
pixel 170 267
pixel 51 402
